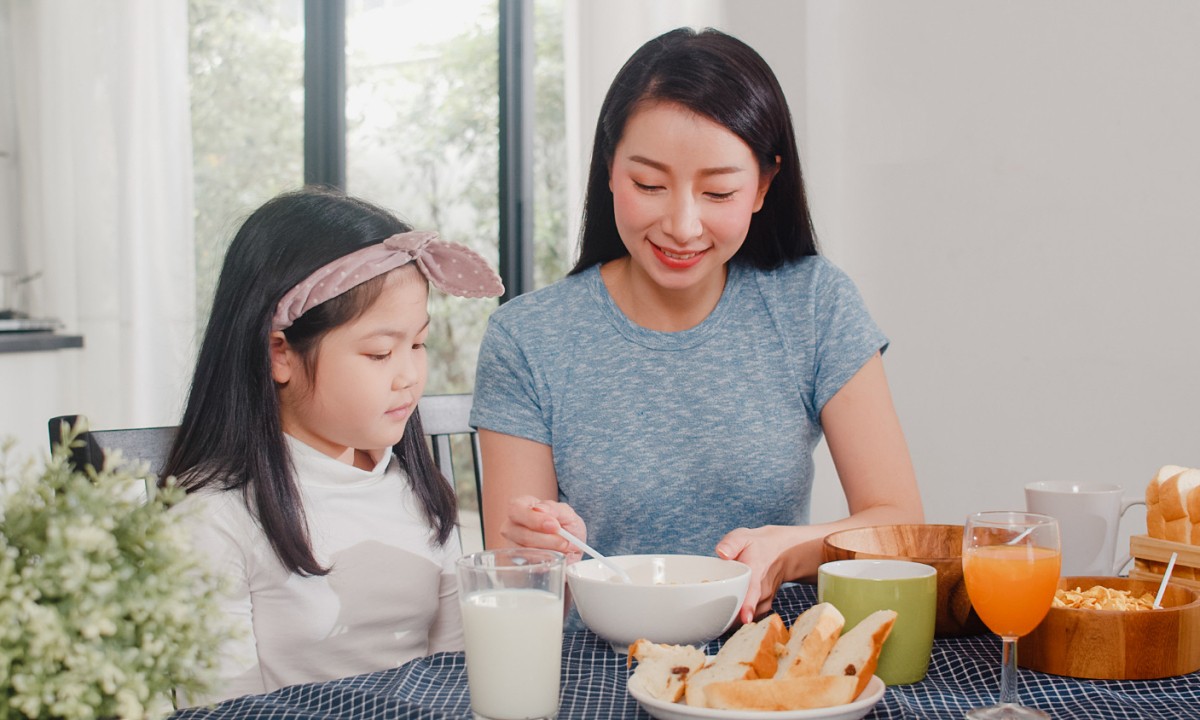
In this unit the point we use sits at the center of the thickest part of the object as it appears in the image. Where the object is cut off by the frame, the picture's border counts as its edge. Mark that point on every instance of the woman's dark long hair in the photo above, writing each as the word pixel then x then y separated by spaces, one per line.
pixel 231 435
pixel 724 79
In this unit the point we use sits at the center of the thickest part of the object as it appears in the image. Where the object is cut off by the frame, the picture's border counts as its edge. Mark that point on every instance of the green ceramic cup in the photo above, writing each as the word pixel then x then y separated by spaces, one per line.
pixel 858 588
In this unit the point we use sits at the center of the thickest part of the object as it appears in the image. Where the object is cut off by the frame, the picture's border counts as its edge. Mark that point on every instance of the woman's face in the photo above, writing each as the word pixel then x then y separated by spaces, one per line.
pixel 684 190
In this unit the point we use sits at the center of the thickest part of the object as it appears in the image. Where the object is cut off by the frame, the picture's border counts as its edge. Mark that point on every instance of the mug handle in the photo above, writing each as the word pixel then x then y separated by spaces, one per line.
pixel 1124 559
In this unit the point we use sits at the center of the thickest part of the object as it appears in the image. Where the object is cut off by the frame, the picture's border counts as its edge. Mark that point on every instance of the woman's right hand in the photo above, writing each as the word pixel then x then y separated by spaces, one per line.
pixel 534 523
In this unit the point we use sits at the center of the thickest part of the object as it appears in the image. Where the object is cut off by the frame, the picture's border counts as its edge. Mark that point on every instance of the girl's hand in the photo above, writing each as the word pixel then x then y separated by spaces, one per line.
pixel 534 523
pixel 769 551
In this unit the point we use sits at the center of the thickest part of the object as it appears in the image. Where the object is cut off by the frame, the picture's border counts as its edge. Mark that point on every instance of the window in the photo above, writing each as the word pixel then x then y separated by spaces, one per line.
pixel 422 106
pixel 421 140
pixel 247 69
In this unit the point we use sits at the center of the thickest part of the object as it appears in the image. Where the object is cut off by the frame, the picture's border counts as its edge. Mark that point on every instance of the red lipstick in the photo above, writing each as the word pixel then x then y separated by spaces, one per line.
pixel 677 263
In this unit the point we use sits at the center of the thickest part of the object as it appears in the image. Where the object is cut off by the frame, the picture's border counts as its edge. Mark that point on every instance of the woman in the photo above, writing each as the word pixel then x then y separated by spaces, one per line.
pixel 667 395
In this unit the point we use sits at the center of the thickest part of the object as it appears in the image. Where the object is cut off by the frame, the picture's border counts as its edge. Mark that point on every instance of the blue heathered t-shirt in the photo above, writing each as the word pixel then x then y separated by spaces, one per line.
pixel 665 441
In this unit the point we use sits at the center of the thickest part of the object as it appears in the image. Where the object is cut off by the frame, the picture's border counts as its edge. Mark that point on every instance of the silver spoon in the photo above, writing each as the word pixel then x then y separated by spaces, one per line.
pixel 592 551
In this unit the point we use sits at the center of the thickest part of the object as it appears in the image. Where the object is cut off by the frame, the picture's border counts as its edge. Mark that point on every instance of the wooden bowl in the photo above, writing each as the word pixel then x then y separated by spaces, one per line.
pixel 939 546
pixel 1117 645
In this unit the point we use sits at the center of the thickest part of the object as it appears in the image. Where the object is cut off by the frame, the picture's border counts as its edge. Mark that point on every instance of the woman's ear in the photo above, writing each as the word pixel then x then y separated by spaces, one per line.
pixel 764 184
pixel 283 360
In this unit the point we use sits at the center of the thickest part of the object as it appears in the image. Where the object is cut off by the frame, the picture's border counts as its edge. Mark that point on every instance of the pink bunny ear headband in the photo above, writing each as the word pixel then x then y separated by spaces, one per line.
pixel 450 267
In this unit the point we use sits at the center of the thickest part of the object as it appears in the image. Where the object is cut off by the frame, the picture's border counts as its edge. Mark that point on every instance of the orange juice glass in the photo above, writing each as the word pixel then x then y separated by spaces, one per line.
pixel 1011 562
pixel 991 572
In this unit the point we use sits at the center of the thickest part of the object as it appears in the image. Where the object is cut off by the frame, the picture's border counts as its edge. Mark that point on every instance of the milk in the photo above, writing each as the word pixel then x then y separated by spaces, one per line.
pixel 514 652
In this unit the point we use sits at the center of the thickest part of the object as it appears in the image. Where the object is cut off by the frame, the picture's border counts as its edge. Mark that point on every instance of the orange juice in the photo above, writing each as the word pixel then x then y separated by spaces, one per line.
pixel 1011 586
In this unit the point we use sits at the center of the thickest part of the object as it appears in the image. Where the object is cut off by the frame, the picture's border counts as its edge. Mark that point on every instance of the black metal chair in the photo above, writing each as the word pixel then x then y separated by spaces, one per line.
pixel 442 416
pixel 150 445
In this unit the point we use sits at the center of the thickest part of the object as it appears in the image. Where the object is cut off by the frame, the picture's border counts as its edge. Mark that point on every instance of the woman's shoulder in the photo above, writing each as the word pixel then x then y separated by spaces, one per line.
pixel 812 276
pixel 810 268
pixel 548 311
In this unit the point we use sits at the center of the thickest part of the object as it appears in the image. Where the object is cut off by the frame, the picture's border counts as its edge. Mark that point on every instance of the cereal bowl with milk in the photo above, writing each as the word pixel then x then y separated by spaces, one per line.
pixel 673 599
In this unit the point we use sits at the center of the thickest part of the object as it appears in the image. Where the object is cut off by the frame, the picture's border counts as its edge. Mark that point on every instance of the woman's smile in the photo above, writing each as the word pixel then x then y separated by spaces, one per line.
pixel 678 260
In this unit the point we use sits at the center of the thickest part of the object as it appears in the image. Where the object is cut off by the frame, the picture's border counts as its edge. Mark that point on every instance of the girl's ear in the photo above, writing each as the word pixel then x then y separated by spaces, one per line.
pixel 764 184
pixel 283 360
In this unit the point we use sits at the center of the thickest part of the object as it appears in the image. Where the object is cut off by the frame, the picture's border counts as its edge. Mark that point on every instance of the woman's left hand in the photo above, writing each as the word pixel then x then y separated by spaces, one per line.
pixel 772 553
pixel 871 457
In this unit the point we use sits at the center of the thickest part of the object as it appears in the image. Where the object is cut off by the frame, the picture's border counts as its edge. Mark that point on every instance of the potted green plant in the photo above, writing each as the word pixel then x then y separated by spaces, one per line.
pixel 105 610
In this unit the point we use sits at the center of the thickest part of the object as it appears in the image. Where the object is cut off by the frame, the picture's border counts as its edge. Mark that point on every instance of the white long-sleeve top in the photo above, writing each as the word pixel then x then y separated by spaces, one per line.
pixel 391 594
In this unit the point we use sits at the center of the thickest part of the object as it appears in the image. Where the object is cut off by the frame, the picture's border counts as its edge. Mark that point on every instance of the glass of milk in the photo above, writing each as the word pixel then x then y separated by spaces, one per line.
pixel 512 610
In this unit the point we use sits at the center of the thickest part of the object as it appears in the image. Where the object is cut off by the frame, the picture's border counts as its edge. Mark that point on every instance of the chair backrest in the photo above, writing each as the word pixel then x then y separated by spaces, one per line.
pixel 443 416
pixel 150 445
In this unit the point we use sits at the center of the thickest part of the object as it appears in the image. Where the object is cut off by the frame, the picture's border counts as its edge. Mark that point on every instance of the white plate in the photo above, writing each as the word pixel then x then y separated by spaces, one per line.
pixel 678 711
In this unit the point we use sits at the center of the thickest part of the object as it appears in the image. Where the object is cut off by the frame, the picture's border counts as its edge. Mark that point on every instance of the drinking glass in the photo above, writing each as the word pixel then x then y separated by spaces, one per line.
pixel 512 610
pixel 1011 562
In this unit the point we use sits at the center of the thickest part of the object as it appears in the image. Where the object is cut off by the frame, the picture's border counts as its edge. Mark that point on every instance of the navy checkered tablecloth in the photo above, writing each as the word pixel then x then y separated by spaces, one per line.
pixel 963 673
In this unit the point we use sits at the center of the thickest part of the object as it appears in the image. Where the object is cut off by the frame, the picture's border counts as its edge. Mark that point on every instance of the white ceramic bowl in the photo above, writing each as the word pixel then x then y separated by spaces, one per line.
pixel 674 599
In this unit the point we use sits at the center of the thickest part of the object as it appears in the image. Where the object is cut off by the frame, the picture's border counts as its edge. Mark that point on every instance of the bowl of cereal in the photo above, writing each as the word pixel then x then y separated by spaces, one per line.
pixel 673 599
pixel 1104 628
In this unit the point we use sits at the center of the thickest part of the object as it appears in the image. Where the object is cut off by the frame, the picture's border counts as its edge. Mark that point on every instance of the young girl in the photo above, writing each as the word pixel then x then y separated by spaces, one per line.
pixel 668 394
pixel 302 447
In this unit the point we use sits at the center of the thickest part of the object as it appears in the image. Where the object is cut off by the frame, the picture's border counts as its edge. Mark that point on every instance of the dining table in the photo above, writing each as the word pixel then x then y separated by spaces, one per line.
pixel 963 673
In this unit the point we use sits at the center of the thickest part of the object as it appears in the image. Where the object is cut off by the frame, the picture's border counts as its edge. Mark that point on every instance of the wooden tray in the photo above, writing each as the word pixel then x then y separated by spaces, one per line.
pixel 1115 645
pixel 1151 556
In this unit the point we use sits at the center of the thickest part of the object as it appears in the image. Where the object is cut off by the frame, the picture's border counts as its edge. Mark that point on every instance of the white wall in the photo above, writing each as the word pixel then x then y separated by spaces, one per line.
pixel 10 256
pixel 1013 186
pixel 34 387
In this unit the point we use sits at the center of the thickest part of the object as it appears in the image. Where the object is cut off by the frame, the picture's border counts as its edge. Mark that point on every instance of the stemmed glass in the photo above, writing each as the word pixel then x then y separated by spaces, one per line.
pixel 1011 562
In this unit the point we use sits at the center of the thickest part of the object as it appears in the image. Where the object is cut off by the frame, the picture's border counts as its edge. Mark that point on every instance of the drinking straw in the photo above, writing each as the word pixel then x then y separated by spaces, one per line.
pixel 1166 576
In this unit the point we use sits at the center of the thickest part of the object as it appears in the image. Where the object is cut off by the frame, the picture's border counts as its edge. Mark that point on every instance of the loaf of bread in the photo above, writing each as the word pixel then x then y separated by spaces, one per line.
pixel 1154 516
pixel 1173 512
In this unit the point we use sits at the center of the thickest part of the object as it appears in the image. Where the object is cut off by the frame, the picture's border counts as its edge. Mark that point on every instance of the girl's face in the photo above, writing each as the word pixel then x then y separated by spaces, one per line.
pixel 369 375
pixel 684 190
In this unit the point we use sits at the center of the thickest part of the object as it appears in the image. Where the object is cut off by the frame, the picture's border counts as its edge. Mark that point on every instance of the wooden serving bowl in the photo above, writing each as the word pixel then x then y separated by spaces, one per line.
pixel 1115 644
pixel 939 546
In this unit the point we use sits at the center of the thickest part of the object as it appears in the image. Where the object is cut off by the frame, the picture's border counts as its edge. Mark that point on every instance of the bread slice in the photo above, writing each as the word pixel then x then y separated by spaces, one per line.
pixel 1155 523
pixel 1179 531
pixel 798 693
pixel 748 655
pixel 813 635
pixel 1173 494
pixel 1193 505
pixel 1165 473
pixel 664 669
pixel 1156 527
pixel 857 652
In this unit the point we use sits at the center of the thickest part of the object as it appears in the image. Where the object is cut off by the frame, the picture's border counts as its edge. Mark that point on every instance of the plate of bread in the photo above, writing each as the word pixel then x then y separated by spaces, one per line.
pixel 766 670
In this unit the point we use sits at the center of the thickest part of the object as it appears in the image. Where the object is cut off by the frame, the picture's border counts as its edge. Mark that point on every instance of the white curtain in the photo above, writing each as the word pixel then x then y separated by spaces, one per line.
pixel 105 160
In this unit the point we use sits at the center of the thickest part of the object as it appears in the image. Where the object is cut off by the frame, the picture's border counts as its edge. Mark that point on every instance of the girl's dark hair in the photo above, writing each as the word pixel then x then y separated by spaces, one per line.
pixel 231 435
pixel 724 79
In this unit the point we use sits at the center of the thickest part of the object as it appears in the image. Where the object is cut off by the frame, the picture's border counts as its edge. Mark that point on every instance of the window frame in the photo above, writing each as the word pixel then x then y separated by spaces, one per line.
pixel 325 123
